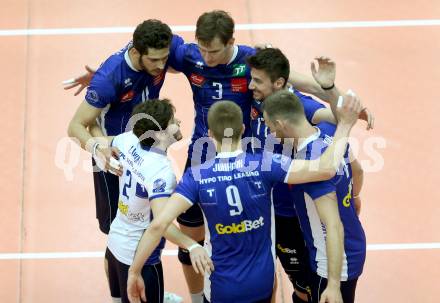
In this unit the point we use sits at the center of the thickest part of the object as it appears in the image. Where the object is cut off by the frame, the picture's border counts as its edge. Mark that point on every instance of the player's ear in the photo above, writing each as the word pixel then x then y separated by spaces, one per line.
pixel 230 42
pixel 279 83
pixel 210 134
pixel 242 130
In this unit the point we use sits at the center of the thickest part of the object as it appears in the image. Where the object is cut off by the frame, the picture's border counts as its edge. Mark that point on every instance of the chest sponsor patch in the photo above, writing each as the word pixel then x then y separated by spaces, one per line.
pixel 239 85
pixel 127 96
pixel 197 80
pixel 239 70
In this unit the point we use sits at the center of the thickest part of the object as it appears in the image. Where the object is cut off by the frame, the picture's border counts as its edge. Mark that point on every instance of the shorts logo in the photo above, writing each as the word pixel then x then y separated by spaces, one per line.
pixel 159 186
pixel 239 85
pixel 286 250
pixel 127 96
pixel 239 70
pixel 242 227
pixel 92 96
pixel 254 113
pixel 197 80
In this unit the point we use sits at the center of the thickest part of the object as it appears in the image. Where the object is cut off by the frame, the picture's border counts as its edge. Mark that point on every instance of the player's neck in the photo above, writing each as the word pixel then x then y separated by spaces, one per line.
pixel 134 59
pixel 229 54
pixel 228 147
pixel 303 132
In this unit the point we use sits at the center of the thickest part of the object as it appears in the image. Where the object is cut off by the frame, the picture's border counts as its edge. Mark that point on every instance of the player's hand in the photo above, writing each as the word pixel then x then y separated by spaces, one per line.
pixel 83 81
pixel 324 71
pixel 357 204
pixel 348 108
pixel 135 288
pixel 201 261
pixel 107 159
pixel 367 116
pixel 331 295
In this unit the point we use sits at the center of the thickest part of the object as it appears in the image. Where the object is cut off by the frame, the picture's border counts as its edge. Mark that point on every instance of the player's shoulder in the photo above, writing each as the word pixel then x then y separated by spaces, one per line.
pixel 327 129
pixel 126 138
pixel 245 50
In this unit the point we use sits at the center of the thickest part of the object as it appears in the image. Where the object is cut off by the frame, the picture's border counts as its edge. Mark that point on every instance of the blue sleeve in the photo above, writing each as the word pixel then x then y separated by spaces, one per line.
pixel 177 53
pixel 310 105
pixel 274 167
pixel 100 92
pixel 318 189
pixel 188 187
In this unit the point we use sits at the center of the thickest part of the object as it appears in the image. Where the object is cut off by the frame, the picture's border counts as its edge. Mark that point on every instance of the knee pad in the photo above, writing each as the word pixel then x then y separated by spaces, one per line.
pixel 183 255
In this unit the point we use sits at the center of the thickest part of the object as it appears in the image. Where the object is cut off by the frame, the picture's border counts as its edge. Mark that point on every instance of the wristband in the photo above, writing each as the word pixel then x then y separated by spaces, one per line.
pixel 195 245
pixel 328 88
pixel 95 146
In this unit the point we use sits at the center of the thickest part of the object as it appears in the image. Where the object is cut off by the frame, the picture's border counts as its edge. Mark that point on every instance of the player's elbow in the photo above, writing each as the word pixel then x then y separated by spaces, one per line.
pixel 158 227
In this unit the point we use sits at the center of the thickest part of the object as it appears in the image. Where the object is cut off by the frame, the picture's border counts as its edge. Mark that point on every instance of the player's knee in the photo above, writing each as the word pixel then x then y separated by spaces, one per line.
pixel 299 297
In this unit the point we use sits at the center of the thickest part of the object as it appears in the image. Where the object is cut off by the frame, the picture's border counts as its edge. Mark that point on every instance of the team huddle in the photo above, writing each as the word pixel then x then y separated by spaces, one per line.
pixel 269 171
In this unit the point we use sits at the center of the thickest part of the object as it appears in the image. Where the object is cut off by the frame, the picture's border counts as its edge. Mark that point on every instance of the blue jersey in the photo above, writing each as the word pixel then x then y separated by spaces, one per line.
pixel 282 198
pixel 211 84
pixel 313 230
pixel 235 196
pixel 117 87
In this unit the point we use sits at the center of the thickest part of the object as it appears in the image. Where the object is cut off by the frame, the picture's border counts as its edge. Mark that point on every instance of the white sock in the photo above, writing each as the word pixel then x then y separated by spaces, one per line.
pixel 116 300
pixel 197 298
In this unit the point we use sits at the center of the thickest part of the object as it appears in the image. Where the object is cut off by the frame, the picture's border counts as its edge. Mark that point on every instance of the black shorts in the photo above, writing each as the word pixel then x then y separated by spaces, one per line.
pixel 318 285
pixel 292 252
pixel 193 217
pixel 118 275
pixel 106 197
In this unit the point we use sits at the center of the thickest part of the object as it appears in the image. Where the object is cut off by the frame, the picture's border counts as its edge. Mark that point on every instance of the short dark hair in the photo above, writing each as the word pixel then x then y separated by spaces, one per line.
pixel 160 111
pixel 284 105
pixel 272 61
pixel 213 24
pixel 151 33
pixel 223 115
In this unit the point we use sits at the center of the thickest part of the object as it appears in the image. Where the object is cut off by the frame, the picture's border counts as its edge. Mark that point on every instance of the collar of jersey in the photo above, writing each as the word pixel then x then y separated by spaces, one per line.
pixel 153 150
pixel 310 139
pixel 128 61
pixel 234 55
pixel 229 154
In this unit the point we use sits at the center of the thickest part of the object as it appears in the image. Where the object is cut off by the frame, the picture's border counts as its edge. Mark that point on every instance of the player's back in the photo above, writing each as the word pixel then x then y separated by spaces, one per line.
pixel 234 193
pixel 314 232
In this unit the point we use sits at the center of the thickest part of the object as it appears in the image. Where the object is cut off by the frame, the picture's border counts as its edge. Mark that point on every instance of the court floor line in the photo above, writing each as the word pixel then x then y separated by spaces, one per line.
pixel 249 26
pixel 173 252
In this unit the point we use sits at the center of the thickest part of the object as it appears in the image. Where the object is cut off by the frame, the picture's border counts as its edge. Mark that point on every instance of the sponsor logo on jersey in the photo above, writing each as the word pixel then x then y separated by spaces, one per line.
pixel 237 228
pixel 123 208
pixel 254 113
pixel 92 96
pixel 239 85
pixel 127 96
pixel 347 198
pixel 127 82
pixel 239 70
pixel 197 80
pixel 199 64
pixel 159 186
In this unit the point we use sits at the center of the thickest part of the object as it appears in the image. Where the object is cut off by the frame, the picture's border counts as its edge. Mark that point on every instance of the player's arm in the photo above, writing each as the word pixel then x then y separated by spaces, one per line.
pixel 324 115
pixel 78 128
pixel 199 257
pixel 327 207
pixel 358 180
pixel 323 168
pixel 150 239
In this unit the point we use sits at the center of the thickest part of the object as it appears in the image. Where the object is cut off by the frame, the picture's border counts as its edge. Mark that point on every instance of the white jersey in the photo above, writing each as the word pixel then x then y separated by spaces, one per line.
pixel 147 175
